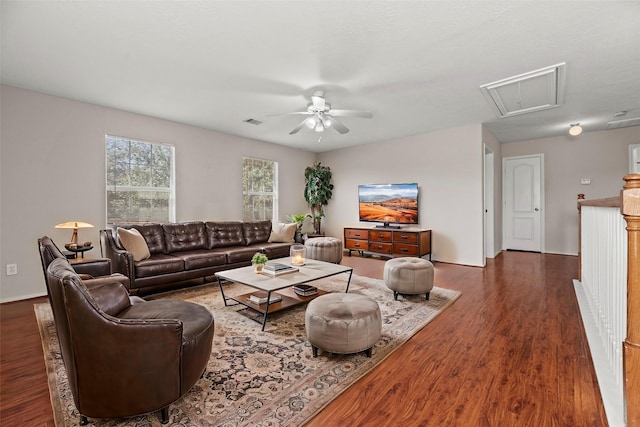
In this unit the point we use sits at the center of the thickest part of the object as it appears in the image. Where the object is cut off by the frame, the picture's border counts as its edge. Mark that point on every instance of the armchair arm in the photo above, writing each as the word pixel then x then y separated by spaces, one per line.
pixel 112 278
pixel 121 260
pixel 97 267
pixel 111 296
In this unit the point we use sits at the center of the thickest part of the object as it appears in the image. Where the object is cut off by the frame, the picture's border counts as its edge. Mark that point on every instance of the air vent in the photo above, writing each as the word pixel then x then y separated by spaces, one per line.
pixel 623 123
pixel 253 122
pixel 525 93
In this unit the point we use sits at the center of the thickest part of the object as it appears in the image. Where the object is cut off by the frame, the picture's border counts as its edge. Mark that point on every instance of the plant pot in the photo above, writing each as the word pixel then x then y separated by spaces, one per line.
pixel 259 267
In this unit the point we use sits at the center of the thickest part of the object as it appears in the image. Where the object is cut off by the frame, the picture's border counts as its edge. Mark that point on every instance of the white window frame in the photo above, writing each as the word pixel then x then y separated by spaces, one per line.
pixel 171 214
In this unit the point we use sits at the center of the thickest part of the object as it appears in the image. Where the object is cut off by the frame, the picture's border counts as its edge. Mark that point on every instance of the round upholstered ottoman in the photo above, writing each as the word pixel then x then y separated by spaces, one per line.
pixel 327 249
pixel 408 276
pixel 343 323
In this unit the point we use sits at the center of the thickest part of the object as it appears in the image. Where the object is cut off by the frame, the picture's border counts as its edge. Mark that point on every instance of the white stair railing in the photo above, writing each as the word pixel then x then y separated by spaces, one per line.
pixel 602 294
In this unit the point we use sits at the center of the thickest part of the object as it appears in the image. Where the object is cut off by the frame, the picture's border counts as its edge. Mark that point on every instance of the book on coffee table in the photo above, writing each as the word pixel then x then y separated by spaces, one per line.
pixel 260 297
pixel 279 272
pixel 305 290
pixel 276 266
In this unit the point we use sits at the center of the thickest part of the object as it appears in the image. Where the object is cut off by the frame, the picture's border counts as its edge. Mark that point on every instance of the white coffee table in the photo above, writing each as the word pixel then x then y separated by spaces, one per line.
pixel 310 271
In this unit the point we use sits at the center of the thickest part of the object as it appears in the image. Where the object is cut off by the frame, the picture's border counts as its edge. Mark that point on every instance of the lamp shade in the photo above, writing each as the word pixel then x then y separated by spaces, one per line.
pixel 75 225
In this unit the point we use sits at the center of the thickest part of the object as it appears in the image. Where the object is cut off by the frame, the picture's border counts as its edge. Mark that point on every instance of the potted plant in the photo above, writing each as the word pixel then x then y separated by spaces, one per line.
pixel 298 219
pixel 318 190
pixel 259 260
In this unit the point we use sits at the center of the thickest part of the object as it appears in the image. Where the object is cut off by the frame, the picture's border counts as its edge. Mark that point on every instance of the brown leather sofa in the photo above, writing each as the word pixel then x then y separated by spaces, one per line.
pixel 125 359
pixel 190 250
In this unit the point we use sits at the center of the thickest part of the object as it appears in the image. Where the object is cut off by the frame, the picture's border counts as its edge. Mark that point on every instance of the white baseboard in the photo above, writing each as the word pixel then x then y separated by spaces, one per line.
pixel 21 297
pixel 561 253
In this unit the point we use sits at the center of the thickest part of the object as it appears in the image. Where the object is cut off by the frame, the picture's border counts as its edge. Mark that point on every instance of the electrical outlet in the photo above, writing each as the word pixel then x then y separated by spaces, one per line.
pixel 12 269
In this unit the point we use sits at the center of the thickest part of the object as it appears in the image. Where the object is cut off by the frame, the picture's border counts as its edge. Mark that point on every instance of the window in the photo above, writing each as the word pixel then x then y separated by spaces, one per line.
pixel 259 189
pixel 140 181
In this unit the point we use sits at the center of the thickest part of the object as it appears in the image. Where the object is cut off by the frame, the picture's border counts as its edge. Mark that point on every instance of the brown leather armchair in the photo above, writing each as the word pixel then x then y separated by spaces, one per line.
pixel 87 271
pixel 125 359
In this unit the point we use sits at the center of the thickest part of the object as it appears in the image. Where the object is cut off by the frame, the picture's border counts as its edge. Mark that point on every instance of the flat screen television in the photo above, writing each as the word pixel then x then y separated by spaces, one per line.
pixel 390 204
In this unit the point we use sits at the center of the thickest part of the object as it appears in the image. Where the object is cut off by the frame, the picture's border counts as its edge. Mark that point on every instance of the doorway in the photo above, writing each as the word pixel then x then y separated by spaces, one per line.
pixel 489 215
pixel 523 195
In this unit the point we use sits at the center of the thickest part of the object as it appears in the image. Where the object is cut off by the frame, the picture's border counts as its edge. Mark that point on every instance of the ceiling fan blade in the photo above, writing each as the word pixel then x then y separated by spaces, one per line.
pixel 338 126
pixel 352 113
pixel 306 113
pixel 297 128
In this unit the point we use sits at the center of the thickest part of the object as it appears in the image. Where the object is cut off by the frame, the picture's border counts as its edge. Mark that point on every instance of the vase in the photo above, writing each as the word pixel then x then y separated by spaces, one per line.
pixel 259 268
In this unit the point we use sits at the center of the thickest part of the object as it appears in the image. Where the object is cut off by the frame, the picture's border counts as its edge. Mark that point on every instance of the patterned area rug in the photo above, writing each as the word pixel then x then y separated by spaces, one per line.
pixel 257 378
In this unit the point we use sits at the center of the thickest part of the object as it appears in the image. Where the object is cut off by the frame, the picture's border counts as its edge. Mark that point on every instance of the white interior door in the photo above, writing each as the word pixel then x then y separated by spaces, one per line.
pixel 523 210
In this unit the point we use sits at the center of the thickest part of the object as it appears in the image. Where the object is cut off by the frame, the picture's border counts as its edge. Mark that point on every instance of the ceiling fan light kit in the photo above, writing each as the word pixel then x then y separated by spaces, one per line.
pixel 322 116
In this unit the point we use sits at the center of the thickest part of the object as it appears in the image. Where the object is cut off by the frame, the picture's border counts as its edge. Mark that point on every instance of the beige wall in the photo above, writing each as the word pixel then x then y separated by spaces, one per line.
pixel 601 156
pixel 447 165
pixel 52 158
pixel 52 170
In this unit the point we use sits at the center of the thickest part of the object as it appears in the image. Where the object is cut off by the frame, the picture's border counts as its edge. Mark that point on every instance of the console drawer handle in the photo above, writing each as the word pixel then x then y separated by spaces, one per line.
pixel 403 237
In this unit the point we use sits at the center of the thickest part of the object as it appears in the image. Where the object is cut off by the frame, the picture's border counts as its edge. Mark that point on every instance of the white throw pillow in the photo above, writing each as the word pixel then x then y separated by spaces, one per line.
pixel 133 241
pixel 283 233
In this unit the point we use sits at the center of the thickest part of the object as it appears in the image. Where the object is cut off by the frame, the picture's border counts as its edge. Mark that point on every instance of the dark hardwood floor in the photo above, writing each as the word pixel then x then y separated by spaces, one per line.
pixel 510 352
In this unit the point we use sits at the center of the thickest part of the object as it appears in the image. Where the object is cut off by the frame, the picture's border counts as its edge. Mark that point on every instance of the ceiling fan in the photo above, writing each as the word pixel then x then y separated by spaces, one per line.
pixel 322 116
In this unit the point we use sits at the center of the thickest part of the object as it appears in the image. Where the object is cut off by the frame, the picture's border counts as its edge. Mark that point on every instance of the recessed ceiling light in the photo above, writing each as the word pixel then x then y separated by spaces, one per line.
pixel 620 113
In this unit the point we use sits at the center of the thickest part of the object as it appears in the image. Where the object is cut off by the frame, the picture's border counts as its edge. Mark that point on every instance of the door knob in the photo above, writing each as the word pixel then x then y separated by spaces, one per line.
pixel 536 209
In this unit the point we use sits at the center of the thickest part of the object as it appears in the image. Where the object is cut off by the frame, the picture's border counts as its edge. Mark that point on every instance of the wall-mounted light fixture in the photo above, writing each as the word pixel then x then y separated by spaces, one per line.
pixel 575 129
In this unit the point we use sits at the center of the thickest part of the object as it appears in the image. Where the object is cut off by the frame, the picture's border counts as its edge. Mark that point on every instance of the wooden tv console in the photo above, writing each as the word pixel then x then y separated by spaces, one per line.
pixel 412 242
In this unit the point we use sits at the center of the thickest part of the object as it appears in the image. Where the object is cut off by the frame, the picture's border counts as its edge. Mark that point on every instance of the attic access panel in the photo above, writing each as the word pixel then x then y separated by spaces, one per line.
pixel 525 93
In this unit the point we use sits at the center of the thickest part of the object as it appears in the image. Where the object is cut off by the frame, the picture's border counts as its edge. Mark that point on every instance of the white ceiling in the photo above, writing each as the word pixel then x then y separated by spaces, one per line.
pixel 417 65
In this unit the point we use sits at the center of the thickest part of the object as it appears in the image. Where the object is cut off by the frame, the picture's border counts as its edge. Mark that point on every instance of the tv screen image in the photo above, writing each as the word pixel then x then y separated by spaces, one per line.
pixel 388 203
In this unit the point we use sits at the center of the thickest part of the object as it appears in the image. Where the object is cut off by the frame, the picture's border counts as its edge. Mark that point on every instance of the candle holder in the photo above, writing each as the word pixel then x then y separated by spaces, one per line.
pixel 296 252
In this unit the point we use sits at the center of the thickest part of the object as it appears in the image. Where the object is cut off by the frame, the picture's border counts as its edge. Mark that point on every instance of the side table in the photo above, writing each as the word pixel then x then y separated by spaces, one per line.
pixel 78 252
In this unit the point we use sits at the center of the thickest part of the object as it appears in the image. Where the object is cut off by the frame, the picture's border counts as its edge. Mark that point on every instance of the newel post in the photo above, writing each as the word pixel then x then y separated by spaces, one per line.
pixel 631 346
pixel 580 199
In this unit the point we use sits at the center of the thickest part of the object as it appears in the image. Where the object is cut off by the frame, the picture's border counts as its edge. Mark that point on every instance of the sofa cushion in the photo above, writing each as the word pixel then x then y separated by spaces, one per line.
pixel 133 241
pixel 241 254
pixel 283 233
pixel 158 264
pixel 185 236
pixel 201 258
pixel 224 233
pixel 276 250
pixel 256 231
